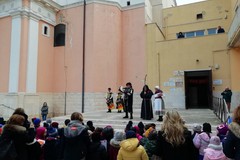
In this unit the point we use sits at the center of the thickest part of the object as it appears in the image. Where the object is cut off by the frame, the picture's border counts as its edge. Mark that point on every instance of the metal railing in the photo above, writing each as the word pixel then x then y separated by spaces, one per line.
pixel 5 106
pixel 220 109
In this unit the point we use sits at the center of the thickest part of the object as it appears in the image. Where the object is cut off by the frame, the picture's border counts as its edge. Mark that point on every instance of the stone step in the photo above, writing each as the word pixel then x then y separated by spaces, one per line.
pixel 102 119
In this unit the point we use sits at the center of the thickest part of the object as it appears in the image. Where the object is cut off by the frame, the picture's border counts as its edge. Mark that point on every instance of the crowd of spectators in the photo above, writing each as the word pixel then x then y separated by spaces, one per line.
pixel 21 139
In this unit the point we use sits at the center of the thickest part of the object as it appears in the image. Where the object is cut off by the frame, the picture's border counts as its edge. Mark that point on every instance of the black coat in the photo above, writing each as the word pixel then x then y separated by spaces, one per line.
pixel 52 149
pixel 128 100
pixel 231 145
pixel 96 151
pixel 20 138
pixel 146 109
pixel 168 152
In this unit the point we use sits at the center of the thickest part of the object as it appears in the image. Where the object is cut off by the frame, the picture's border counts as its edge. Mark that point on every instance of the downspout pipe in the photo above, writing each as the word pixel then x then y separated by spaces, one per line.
pixel 83 58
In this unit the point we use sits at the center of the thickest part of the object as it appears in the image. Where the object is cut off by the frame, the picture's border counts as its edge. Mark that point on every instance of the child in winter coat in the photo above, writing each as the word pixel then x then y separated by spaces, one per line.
pixel 202 140
pixel 222 130
pixel 115 145
pixel 214 150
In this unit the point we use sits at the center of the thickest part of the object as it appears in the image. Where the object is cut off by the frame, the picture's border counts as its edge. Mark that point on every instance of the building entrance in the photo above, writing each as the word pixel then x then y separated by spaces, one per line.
pixel 198 89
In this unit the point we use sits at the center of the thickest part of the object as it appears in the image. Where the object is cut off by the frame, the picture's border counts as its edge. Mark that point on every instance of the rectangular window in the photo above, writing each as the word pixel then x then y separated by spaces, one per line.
pixel 200 33
pixel 199 16
pixel 46 30
pixel 212 31
pixel 190 34
pixel 128 3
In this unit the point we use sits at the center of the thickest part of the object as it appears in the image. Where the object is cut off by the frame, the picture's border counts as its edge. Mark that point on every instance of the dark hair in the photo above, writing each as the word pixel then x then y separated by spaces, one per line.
pixel 129 84
pixel 129 126
pixel 141 128
pixel 89 123
pixel 107 133
pixel 207 127
pixel 109 89
pixel 67 121
pixel 145 86
pixel 96 136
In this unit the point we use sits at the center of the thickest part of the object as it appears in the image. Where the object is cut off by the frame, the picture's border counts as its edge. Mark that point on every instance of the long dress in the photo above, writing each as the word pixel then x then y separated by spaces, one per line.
pixel 146 109
pixel 158 103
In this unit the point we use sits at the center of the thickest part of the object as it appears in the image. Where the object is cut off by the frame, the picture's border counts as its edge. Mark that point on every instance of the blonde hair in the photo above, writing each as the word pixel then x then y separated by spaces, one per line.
pixel 173 128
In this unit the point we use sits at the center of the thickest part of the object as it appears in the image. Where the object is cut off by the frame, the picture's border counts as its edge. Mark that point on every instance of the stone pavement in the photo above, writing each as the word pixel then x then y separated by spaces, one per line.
pixel 102 119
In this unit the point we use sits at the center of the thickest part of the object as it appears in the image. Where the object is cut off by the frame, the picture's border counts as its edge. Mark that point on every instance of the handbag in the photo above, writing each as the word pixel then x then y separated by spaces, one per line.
pixel 7 149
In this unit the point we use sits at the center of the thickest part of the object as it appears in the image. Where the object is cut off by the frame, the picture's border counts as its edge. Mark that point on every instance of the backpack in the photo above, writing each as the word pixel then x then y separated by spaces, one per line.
pixel 7 149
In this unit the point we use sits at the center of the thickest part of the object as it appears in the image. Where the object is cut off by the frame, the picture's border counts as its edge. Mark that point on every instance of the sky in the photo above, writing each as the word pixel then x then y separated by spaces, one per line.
pixel 181 2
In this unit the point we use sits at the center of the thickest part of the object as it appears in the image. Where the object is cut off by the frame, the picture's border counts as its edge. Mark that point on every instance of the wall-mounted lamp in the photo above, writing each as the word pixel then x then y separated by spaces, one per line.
pixel 216 66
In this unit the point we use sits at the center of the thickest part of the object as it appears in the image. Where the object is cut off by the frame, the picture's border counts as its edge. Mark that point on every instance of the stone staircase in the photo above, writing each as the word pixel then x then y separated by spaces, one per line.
pixel 114 119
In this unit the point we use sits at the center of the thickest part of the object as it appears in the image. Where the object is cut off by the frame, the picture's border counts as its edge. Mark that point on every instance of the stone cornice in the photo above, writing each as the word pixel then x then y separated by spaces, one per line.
pixel 50 4
pixel 116 4
pixel 24 12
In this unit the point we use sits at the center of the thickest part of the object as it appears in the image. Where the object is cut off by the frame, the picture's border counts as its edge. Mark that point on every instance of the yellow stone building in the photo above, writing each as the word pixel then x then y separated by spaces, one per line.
pixel 197 67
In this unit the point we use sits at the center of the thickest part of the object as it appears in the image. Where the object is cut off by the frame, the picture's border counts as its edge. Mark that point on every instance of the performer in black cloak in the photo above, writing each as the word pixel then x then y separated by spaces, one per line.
pixel 146 109
pixel 128 100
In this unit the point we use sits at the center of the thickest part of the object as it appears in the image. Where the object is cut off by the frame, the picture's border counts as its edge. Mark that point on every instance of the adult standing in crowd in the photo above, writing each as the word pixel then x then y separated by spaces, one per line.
pixel 128 100
pixel 158 103
pixel 231 145
pixel 44 111
pixel 16 135
pixel 20 111
pixel 76 138
pixel 174 140
pixel 227 95
pixel 146 109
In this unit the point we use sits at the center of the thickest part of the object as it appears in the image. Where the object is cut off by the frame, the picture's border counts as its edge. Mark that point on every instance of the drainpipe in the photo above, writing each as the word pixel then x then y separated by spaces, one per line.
pixel 83 65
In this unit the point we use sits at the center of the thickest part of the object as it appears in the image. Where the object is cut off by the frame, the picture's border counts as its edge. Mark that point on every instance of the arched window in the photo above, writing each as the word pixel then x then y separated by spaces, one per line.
pixel 59 35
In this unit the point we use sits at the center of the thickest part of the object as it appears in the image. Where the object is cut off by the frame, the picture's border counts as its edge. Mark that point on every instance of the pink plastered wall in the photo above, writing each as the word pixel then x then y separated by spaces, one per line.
pixel 68 59
pixel 134 47
pixel 45 68
pixel 115 49
pixel 5 41
pixel 103 67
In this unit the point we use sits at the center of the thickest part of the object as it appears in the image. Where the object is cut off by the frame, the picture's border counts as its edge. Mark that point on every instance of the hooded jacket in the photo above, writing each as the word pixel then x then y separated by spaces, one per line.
pixel 201 141
pixel 214 152
pixel 76 141
pixel 231 145
pixel 131 150
pixel 113 149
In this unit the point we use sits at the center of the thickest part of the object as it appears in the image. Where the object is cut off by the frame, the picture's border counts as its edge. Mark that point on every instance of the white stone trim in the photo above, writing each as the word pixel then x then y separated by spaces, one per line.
pixel 47 14
pixel 32 61
pixel 7 6
pixel 15 55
